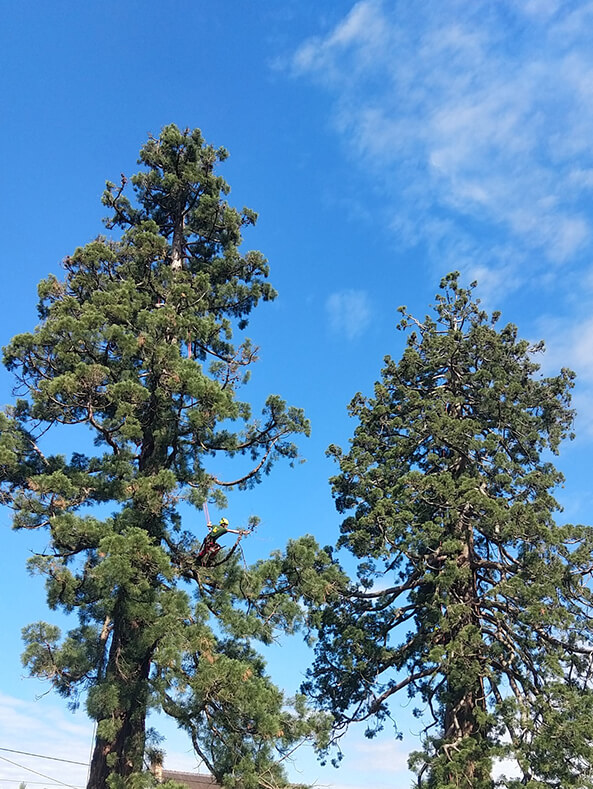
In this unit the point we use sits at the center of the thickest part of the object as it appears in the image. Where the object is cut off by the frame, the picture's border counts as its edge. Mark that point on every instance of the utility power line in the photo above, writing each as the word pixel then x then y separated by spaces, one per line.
pixel 29 783
pixel 40 756
pixel 29 769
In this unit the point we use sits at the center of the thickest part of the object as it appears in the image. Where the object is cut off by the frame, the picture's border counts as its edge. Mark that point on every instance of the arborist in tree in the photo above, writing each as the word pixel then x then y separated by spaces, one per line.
pixel 210 546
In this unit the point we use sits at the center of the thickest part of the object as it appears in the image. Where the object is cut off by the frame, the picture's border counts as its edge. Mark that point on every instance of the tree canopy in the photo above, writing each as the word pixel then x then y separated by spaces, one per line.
pixel 470 596
pixel 135 346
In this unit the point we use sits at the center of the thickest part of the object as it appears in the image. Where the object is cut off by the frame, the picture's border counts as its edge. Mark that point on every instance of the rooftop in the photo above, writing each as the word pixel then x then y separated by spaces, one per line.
pixel 191 780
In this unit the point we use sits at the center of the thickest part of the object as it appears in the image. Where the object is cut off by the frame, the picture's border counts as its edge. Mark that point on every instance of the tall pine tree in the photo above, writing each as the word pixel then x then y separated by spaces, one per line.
pixel 135 344
pixel 470 596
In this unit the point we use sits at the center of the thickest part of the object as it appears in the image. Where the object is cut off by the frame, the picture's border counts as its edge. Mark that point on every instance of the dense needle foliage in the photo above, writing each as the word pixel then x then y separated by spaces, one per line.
pixel 470 596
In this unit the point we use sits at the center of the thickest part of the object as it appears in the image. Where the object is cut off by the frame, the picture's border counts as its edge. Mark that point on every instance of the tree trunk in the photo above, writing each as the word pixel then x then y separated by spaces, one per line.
pixel 466 703
pixel 123 754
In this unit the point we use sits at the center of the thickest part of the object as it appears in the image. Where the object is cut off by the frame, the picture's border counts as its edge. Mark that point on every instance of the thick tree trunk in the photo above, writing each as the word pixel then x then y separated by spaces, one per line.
pixel 127 750
pixel 123 754
pixel 461 723
pixel 466 703
pixel 128 667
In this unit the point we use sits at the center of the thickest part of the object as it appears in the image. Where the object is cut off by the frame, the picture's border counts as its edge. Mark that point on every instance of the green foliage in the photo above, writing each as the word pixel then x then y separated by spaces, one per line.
pixel 469 596
pixel 135 344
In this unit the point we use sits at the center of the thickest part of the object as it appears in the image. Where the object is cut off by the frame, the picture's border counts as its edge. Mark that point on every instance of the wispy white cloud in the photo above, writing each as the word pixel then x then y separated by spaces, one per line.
pixel 386 756
pixel 569 343
pixel 474 114
pixel 360 29
pixel 541 8
pixel 349 312
pixel 43 727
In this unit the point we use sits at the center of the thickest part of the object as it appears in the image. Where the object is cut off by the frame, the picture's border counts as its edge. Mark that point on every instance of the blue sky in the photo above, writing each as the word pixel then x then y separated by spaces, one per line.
pixel 383 144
